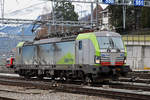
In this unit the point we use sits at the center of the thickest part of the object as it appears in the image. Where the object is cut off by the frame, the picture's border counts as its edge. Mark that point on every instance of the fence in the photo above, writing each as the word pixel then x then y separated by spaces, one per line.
pixel 137 38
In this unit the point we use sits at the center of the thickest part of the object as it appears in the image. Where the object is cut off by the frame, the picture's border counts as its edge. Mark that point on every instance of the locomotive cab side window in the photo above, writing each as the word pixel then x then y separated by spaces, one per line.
pixel 80 45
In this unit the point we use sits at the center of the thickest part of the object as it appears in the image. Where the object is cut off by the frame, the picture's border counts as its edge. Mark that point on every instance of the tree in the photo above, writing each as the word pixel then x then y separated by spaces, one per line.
pixel 65 11
pixel 116 17
pixel 145 17
pixel 136 17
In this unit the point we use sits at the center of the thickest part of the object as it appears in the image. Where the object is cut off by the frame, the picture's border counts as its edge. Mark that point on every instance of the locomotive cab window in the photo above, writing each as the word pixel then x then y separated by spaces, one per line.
pixel 110 42
pixel 80 45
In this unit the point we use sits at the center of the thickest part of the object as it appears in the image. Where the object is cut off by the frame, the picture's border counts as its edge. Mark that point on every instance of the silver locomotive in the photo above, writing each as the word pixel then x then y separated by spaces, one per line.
pixel 89 57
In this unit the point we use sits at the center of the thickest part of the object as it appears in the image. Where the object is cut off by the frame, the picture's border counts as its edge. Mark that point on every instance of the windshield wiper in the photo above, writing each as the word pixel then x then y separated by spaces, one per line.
pixel 117 48
pixel 113 45
pixel 109 46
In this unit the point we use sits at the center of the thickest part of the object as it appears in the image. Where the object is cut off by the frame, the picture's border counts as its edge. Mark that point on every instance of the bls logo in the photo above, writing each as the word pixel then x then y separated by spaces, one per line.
pixel 138 2
pixel 108 1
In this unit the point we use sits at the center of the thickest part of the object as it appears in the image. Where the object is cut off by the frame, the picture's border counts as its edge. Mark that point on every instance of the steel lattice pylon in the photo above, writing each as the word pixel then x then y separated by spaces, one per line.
pixel 2 8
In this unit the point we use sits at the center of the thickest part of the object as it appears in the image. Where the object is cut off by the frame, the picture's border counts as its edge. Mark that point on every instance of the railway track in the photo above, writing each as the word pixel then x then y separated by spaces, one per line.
pixel 124 83
pixel 114 90
pixel 136 80
pixel 140 74
pixel 5 98
pixel 130 86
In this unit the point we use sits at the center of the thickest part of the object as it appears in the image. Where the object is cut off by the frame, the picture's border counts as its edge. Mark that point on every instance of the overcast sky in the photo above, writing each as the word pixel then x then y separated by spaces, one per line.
pixel 31 9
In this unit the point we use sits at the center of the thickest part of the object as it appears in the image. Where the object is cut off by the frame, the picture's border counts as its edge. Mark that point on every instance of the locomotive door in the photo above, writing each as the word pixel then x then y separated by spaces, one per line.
pixel 82 52
pixel 79 52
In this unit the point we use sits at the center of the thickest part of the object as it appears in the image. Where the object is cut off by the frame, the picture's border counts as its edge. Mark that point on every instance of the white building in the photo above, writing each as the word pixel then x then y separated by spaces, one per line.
pixel 104 20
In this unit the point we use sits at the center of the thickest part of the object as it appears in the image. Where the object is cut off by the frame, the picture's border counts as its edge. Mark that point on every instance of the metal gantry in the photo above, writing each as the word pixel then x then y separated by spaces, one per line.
pixel 115 2
pixel 75 23
pixel 48 22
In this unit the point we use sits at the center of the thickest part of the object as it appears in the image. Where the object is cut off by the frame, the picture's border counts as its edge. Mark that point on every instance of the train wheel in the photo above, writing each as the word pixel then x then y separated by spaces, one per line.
pixel 40 77
pixel 27 77
pixel 115 78
pixel 88 80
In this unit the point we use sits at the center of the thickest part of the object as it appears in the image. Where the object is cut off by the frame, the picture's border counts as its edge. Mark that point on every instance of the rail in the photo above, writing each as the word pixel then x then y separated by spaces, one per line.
pixel 117 91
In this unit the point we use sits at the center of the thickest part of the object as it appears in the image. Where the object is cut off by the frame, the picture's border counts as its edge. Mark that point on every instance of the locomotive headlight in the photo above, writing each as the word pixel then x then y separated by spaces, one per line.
pixel 97 59
pixel 125 61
